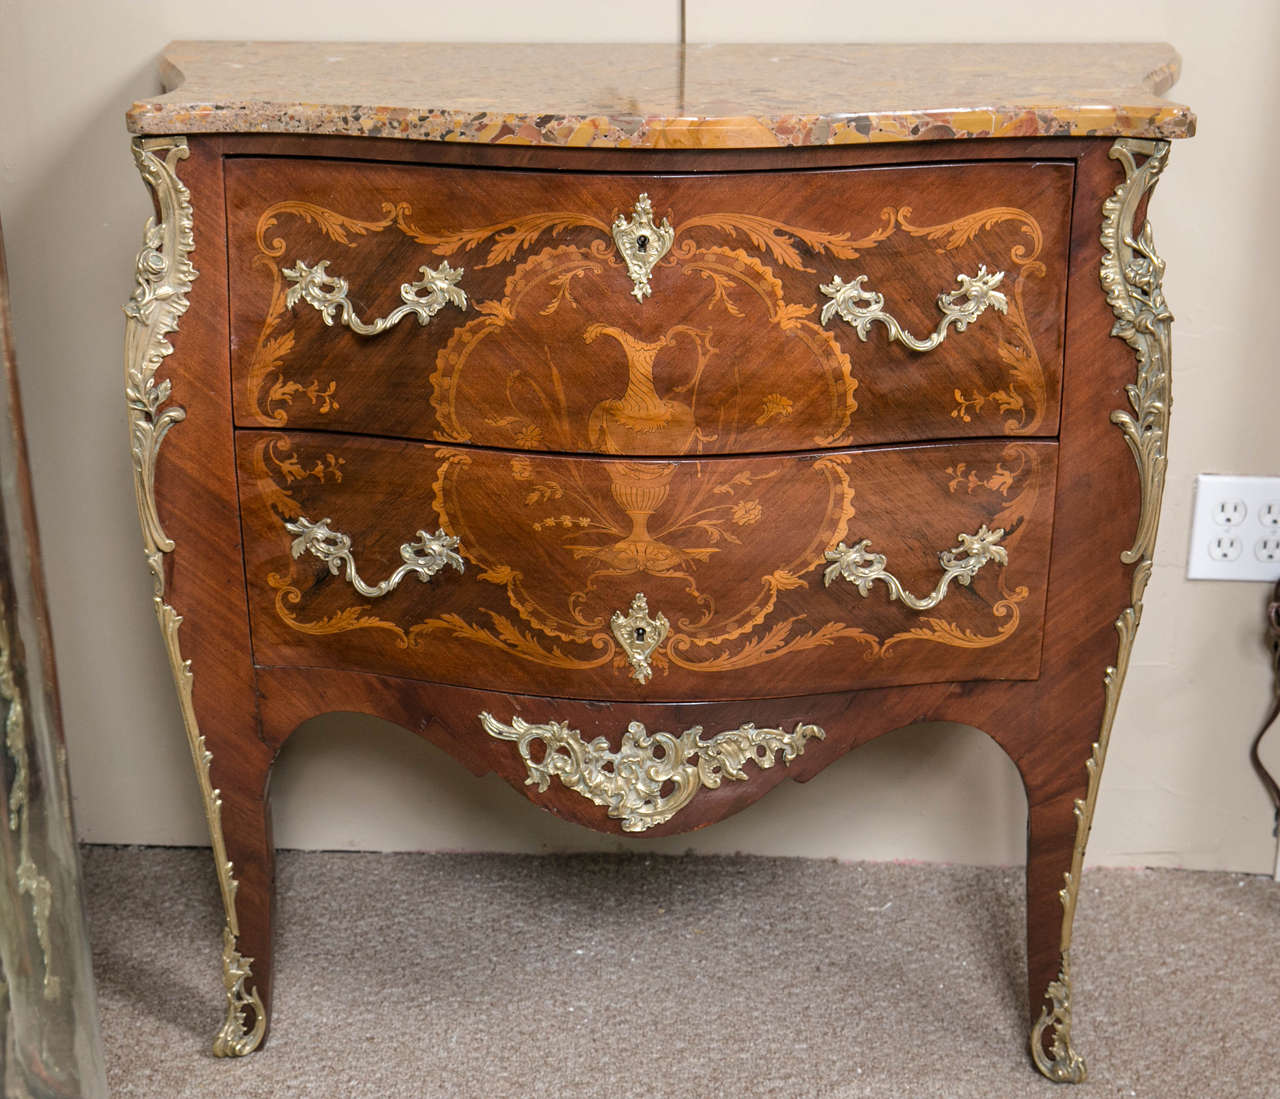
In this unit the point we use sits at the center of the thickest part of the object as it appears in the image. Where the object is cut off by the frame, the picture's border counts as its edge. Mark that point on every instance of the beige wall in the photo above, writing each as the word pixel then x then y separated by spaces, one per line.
pixel 1178 789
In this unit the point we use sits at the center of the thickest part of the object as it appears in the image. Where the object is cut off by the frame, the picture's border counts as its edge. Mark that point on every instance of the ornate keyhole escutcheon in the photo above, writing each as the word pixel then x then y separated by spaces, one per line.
pixel 642 244
pixel 639 635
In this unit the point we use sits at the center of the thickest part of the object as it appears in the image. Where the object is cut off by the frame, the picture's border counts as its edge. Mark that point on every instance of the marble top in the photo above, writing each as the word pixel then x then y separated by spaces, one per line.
pixel 666 96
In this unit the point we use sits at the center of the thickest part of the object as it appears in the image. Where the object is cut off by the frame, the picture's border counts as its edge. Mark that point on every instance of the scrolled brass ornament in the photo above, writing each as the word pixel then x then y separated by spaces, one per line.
pixel 423 557
pixel 642 244
pixel 327 293
pixel 1132 276
pixel 629 783
pixel 1063 1065
pixel 862 307
pixel 164 278
pixel 862 568
pixel 30 881
pixel 638 635
pixel 235 1039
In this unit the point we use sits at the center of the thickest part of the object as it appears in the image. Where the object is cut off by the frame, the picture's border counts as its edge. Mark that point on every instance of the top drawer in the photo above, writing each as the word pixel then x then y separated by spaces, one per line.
pixel 786 310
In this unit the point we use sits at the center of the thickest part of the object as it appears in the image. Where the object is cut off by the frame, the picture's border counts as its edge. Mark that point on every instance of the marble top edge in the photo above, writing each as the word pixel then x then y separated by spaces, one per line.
pixel 656 95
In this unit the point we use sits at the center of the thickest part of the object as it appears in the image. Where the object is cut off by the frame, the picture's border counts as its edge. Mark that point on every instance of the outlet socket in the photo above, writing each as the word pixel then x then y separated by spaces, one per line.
pixel 1235 529
pixel 1225 547
pixel 1231 512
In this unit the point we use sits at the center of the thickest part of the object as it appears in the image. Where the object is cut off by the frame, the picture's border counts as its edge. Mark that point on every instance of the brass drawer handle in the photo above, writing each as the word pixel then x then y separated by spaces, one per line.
pixel 959 307
pixel 425 557
pixel 328 294
pixel 862 568
pixel 630 782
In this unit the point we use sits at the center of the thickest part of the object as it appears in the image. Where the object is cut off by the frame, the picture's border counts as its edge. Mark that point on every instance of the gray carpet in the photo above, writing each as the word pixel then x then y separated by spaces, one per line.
pixel 491 976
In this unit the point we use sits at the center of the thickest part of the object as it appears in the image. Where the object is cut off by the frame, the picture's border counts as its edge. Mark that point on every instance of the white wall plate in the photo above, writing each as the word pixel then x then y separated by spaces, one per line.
pixel 1235 528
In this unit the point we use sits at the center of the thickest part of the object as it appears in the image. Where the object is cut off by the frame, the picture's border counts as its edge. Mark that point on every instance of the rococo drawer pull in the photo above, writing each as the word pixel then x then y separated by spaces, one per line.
pixel 959 307
pixel 629 783
pixel 862 568
pixel 642 244
pixel 639 635
pixel 425 557
pixel 328 293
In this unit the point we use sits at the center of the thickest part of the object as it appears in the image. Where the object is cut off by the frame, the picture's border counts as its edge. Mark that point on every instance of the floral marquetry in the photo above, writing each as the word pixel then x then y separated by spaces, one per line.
pixel 545 344
pixel 729 554
pixel 649 479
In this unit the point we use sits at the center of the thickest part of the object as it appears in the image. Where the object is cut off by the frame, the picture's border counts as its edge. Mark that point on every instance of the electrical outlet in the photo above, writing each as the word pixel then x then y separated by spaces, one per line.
pixel 1235 529
pixel 1225 547
pixel 1230 512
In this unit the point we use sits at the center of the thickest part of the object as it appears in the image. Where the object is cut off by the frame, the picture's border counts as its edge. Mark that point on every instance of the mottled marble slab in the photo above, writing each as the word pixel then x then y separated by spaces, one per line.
pixel 666 96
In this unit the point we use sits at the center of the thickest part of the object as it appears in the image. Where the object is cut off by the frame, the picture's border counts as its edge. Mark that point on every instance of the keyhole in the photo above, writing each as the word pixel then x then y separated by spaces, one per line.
pixel 639 633
pixel 642 245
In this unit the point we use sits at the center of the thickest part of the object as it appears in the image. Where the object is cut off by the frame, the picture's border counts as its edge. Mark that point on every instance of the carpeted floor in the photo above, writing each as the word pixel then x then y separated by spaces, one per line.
pixel 493 976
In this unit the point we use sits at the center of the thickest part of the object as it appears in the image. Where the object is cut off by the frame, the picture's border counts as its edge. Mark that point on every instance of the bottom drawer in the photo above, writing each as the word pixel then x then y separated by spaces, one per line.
pixel 648 579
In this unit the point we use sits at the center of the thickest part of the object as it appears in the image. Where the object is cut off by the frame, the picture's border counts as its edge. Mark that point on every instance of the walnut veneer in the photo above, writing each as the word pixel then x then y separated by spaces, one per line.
pixel 736 446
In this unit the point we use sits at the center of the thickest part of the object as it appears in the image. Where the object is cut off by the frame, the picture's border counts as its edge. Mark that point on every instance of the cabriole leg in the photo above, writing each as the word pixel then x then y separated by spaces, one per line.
pixel 165 274
pixel 1132 276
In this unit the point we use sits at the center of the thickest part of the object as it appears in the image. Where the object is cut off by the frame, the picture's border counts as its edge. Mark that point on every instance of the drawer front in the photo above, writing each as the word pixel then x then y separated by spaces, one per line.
pixel 756 576
pixel 785 311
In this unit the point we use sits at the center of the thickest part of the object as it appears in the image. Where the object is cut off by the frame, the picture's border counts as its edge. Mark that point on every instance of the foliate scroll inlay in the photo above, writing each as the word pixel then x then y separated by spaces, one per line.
pixel 576 283
pixel 660 390
pixel 861 307
pixel 327 293
pixel 862 568
pixel 164 278
pixel 642 244
pixel 423 557
pixel 1132 276
pixel 630 782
